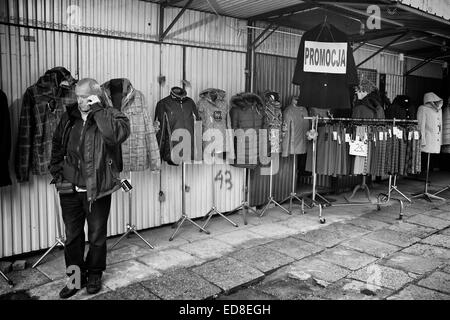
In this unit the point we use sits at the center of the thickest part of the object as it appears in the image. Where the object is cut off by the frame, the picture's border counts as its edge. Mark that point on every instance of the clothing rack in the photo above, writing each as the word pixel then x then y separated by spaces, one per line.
pixel 380 200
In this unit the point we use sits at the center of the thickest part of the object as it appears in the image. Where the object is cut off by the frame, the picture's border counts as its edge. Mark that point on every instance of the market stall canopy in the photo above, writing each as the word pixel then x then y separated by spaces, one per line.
pixel 417 28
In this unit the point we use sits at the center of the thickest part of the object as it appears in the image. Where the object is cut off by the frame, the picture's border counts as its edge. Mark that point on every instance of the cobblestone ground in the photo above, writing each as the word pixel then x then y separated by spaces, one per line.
pixel 360 253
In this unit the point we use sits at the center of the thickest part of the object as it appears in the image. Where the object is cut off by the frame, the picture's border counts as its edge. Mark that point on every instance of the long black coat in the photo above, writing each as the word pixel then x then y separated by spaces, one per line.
pixel 5 140
pixel 324 90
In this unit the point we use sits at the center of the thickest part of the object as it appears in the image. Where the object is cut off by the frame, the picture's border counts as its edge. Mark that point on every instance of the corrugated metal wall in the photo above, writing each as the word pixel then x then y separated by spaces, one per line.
pixel 275 73
pixel 28 210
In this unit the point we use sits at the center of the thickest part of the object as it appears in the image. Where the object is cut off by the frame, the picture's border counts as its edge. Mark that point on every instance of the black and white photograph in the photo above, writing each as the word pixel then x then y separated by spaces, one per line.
pixel 224 158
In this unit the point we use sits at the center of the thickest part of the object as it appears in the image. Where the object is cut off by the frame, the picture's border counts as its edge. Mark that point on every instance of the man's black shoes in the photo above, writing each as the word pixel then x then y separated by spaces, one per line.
pixel 67 292
pixel 94 284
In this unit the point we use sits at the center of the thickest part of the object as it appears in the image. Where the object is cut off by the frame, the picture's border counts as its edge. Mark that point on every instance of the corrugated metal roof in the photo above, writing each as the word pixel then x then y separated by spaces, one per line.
pixel 240 8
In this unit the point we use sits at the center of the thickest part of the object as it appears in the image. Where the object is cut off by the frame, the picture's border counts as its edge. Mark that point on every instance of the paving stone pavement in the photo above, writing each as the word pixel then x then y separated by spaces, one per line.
pixel 371 247
pixel 411 263
pixel 413 292
pixel 262 258
pixel 382 276
pixel 228 273
pixel 360 253
pixel 346 258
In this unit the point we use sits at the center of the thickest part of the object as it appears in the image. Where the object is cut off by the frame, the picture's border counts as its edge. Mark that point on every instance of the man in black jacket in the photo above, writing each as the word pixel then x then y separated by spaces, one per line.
pixel 86 155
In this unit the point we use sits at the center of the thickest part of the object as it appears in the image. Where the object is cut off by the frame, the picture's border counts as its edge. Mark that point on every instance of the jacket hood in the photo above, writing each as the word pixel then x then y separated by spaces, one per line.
pixel 178 93
pixel 119 83
pixel 208 93
pixel 432 97
pixel 272 99
pixel 247 100
pixel 402 101
pixel 61 75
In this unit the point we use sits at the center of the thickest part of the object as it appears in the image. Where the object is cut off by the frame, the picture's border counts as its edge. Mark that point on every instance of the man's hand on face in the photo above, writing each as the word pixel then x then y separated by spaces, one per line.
pixel 85 103
pixel 93 99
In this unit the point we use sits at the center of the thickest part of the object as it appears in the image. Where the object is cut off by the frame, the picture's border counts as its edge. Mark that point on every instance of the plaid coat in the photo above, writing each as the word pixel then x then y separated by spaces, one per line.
pixel 42 107
pixel 140 151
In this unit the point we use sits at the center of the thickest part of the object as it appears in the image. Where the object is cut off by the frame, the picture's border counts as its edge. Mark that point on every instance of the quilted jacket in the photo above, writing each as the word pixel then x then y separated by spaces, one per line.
pixel 247 113
pixel 214 111
pixel 140 151
pixel 42 107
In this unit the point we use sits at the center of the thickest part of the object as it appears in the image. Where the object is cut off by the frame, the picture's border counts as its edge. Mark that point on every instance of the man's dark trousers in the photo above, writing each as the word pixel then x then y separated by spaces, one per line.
pixel 75 211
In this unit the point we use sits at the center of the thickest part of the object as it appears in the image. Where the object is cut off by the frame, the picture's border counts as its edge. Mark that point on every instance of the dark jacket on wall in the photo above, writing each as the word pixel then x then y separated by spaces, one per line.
pixel 176 111
pixel 368 108
pixel 401 108
pixel 42 107
pixel 5 140
pixel 324 90
pixel 105 130
pixel 140 151
pixel 247 112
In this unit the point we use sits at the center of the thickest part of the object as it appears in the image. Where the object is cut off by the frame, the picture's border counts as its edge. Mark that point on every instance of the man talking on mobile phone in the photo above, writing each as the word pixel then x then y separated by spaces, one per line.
pixel 85 165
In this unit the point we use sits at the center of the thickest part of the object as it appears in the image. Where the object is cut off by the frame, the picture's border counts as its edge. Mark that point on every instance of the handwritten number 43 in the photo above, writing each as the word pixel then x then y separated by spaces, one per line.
pixel 225 179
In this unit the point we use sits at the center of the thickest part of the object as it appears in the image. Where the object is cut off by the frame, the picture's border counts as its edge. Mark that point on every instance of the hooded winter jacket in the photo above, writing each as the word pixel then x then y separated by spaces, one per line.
pixel 247 113
pixel 103 133
pixel 369 108
pixel 295 140
pixel 140 151
pixel 429 116
pixel 214 111
pixel 42 107
pixel 176 111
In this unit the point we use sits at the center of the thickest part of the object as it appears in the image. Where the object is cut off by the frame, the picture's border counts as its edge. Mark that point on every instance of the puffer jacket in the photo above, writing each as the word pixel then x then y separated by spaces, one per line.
pixel 369 108
pixel 42 107
pixel 247 113
pixel 140 151
pixel 177 111
pixel 214 111
pixel 105 130
pixel 429 116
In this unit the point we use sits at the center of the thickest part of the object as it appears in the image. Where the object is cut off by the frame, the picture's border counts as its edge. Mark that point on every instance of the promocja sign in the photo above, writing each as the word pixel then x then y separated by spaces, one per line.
pixel 325 57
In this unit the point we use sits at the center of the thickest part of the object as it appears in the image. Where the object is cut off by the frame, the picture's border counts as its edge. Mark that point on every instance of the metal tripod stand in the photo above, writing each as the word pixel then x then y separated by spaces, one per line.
pixel 393 187
pixel 59 238
pixel 214 209
pixel 131 228
pixel 363 186
pixel 426 195
pixel 314 127
pixel 10 283
pixel 184 217
pixel 271 200
pixel 294 196
pixel 245 205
